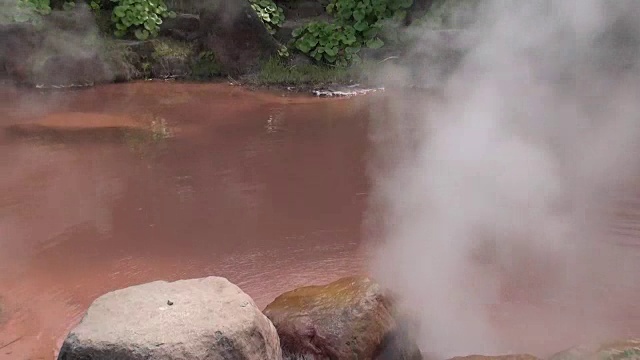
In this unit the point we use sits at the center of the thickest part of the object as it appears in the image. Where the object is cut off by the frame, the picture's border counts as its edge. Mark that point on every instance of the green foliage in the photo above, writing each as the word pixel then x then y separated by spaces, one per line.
pixel 283 52
pixel 357 24
pixel 29 11
pixel 42 7
pixel 95 5
pixel 120 58
pixel 328 43
pixel 277 72
pixel 205 66
pixel 140 17
pixel 163 48
pixel 366 16
pixel 68 5
pixel 271 14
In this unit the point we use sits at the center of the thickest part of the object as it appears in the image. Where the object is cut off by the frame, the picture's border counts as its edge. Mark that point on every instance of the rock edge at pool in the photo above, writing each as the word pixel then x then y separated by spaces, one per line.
pixel 211 318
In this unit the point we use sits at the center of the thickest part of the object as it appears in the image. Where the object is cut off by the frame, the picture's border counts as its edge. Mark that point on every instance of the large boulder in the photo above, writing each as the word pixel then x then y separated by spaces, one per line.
pixel 351 318
pixel 53 54
pixel 232 30
pixel 72 70
pixel 183 27
pixel 615 350
pixel 197 319
pixel 19 42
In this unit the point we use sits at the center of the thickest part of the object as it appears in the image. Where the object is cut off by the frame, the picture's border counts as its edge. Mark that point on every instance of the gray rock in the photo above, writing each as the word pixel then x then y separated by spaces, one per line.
pixel 210 318
pixel 233 31
pixel 19 42
pixel 303 9
pixel 183 27
pixel 170 67
pixel 72 70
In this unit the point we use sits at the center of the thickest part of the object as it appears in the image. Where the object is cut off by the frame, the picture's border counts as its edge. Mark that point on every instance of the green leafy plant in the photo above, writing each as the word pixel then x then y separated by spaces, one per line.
pixel 272 15
pixel 357 24
pixel 42 7
pixel 68 5
pixel 205 66
pixel 283 52
pixel 367 17
pixel 95 5
pixel 31 11
pixel 276 71
pixel 140 17
pixel 326 42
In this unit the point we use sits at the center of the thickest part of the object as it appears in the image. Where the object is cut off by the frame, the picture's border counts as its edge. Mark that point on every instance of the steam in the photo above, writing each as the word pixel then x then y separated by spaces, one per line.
pixel 61 48
pixel 499 191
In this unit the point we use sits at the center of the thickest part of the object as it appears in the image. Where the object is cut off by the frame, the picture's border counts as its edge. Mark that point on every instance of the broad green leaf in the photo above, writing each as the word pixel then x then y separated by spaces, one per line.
pixel 331 51
pixel 329 58
pixel 21 17
pixel 297 32
pixel 119 11
pixel 361 26
pixel 374 43
pixel 303 46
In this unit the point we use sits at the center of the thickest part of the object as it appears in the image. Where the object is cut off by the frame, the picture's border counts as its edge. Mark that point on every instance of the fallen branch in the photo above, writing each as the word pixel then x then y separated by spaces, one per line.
pixel 11 342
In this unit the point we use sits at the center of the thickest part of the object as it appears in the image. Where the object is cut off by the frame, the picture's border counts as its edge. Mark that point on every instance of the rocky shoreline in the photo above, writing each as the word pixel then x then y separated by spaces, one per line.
pixel 211 318
pixel 69 50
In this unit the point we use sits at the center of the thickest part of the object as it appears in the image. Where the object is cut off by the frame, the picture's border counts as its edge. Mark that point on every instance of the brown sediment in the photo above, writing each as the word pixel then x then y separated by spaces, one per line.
pixel 80 126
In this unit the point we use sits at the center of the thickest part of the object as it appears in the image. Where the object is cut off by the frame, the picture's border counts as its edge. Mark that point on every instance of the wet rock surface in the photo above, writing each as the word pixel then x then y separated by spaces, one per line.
pixel 19 42
pixel 183 27
pixel 208 318
pixel 56 53
pixel 72 71
pixel 170 67
pixel 235 34
pixel 348 319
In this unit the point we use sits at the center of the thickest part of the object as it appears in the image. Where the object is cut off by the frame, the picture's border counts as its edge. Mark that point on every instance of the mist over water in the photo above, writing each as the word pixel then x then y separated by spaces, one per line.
pixel 501 191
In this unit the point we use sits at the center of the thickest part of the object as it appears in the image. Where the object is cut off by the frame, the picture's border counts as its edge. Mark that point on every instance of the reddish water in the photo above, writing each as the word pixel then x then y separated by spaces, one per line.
pixel 264 189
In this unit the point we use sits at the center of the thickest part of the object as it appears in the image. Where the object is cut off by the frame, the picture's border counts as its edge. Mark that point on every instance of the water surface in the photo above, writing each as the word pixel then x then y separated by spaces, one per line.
pixel 267 189
pixel 264 189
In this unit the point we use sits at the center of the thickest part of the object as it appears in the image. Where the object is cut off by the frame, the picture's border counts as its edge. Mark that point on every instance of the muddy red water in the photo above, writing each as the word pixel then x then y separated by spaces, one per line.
pixel 265 189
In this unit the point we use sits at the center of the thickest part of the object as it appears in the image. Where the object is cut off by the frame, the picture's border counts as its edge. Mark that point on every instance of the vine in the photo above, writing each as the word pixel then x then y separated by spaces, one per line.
pixel 272 15
pixel 140 17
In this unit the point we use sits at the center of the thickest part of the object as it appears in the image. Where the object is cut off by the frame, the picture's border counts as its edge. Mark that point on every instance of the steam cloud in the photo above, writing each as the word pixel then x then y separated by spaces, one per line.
pixel 500 191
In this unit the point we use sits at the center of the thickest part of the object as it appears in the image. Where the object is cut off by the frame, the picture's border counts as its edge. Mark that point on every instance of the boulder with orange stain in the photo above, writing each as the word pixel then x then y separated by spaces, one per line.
pixel 351 318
